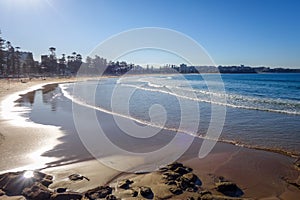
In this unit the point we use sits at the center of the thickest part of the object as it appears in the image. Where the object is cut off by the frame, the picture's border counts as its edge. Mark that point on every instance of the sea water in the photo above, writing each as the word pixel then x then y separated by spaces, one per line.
pixel 261 110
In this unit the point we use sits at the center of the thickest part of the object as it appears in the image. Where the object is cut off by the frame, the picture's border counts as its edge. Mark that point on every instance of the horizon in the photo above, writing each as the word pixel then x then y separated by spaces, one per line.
pixel 250 33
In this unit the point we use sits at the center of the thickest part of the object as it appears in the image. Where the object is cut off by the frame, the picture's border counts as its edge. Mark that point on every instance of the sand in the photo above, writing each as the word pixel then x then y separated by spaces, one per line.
pixel 260 174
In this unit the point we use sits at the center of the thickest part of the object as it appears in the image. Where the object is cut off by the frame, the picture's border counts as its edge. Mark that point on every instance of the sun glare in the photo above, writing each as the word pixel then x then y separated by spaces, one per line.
pixel 28 174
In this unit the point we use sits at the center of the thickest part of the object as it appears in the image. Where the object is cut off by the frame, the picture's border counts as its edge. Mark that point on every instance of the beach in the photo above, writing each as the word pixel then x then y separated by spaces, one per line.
pixel 26 145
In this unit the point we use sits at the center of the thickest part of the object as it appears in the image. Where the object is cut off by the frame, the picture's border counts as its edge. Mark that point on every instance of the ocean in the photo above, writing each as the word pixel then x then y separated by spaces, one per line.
pixel 259 111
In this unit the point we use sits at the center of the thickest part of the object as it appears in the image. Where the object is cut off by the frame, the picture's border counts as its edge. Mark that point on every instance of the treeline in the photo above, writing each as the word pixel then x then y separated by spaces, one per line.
pixel 15 63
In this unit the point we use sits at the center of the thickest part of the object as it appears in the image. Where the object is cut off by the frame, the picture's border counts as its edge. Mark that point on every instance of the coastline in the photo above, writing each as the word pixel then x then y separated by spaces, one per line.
pixel 227 160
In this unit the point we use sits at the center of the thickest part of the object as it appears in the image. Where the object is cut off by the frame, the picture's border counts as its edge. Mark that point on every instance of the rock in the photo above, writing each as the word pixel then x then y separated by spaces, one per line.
pixel 111 197
pixel 46 182
pixel 37 192
pixel 190 177
pixel 146 192
pixel 13 183
pixel 189 182
pixel 61 190
pixel 134 193
pixel 99 192
pixel 204 192
pixel 182 170
pixel 184 185
pixel 170 176
pixel 191 198
pixel 229 189
pixel 125 184
pixel 163 169
pixel 174 166
pixel 67 196
pixel 192 189
pixel 171 183
pixel 176 190
pixel 2 193
pixel 76 177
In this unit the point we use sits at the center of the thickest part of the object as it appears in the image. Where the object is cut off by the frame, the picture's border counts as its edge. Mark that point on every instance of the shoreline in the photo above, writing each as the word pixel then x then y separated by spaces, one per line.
pixel 15 94
pixel 91 168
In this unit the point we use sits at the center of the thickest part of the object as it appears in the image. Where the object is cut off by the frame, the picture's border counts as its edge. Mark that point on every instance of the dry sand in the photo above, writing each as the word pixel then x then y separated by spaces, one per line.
pixel 258 173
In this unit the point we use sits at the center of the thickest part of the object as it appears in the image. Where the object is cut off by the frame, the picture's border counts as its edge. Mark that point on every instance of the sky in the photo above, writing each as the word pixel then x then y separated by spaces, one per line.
pixel 232 32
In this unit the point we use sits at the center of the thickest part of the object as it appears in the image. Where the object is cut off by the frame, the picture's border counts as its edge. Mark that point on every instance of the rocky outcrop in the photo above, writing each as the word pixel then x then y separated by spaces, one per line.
pixel 77 177
pixel 13 183
pixel 125 184
pixel 180 178
pixel 98 192
pixel 175 181
pixel 37 192
pixel 67 196
pixel 146 192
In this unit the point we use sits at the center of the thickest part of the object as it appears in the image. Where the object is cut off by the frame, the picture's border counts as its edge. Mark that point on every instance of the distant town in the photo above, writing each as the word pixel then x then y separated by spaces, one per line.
pixel 15 63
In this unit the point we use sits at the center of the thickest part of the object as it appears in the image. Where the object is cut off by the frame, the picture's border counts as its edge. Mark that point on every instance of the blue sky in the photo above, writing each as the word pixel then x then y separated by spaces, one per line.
pixel 233 32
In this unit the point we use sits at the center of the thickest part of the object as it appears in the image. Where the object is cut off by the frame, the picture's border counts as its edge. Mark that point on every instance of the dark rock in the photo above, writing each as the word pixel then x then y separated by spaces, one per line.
pixel 37 192
pixel 170 176
pixel 134 193
pixel 61 190
pixel 13 183
pixel 125 184
pixel 111 197
pixel 192 189
pixel 204 192
pixel 188 180
pixel 222 179
pixel 99 192
pixel 76 177
pixel 146 192
pixel 171 183
pixel 174 166
pixel 190 177
pixel 176 190
pixel 2 193
pixel 163 169
pixel 67 196
pixel 184 185
pixel 229 189
pixel 191 198
pixel 46 182
pixel 182 170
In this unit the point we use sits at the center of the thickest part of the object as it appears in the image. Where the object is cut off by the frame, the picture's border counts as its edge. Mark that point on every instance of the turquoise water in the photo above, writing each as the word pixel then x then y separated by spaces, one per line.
pixel 262 110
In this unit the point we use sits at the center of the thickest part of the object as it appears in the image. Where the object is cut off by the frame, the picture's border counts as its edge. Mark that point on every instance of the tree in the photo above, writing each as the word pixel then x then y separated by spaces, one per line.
pixel 52 53
pixel 88 61
pixel 10 60
pixel 62 64
pixel 2 54
pixel 17 61
pixel 74 55
pixel 52 61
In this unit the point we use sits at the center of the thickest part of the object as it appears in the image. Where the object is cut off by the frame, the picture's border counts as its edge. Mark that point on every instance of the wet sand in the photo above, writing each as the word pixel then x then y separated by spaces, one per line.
pixel 260 174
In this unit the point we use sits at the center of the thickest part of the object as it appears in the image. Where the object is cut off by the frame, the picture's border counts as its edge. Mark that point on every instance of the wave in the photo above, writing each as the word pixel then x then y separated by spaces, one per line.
pixel 85 104
pixel 230 100
pixel 196 135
